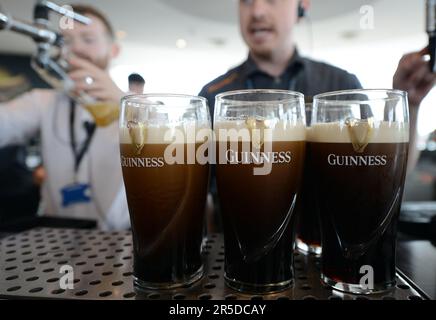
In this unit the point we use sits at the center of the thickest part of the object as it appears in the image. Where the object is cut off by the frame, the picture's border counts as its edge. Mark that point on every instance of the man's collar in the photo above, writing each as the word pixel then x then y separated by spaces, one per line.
pixel 250 67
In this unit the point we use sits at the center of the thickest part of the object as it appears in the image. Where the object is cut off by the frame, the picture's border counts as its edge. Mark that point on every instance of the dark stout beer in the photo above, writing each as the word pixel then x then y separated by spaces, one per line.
pixel 166 204
pixel 308 225
pixel 308 233
pixel 358 190
pixel 257 210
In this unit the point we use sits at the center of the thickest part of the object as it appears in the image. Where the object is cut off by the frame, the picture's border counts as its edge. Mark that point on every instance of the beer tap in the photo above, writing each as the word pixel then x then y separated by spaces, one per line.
pixel 53 68
pixel 35 32
pixel 431 31
pixel 47 60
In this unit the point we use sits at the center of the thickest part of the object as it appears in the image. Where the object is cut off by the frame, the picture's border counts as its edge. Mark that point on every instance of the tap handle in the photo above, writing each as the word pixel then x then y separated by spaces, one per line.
pixel 43 7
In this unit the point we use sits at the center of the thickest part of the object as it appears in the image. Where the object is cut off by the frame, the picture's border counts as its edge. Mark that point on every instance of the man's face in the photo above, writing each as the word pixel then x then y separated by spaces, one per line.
pixel 91 42
pixel 266 25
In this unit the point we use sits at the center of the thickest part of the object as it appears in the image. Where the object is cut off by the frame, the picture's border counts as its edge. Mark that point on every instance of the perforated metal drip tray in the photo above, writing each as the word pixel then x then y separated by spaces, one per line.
pixel 30 265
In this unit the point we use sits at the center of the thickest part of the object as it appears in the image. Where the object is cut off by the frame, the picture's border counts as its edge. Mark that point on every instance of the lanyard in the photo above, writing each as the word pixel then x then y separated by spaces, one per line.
pixel 90 129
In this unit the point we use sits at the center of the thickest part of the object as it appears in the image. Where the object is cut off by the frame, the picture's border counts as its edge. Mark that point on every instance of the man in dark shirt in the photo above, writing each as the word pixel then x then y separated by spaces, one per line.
pixel 301 74
pixel 274 63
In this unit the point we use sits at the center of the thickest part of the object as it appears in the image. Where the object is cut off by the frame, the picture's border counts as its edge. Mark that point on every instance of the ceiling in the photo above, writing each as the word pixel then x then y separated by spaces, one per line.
pixel 224 10
pixel 212 24
pixel 211 10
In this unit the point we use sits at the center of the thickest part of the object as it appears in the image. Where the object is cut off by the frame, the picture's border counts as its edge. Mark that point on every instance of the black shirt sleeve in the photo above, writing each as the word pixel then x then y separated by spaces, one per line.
pixel 210 99
pixel 320 77
pixel 351 82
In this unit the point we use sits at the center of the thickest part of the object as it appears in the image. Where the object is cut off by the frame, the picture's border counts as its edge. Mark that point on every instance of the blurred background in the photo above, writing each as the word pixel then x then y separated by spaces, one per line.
pixel 180 45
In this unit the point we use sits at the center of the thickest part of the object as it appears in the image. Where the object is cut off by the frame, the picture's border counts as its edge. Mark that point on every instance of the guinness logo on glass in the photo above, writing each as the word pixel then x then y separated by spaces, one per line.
pixel 257 136
pixel 361 132
pixel 138 134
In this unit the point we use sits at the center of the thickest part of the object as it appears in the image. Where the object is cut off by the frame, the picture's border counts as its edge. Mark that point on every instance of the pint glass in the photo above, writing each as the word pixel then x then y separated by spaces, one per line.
pixel 260 144
pixel 357 151
pixel 166 185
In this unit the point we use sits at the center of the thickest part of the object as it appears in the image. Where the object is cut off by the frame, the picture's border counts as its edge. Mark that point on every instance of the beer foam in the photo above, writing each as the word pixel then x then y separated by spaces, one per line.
pixel 164 134
pixel 281 130
pixel 382 132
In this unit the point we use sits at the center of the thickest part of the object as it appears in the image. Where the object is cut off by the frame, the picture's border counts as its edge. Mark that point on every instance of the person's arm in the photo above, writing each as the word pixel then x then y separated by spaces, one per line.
pixel 210 100
pixel 352 82
pixel 413 75
pixel 20 118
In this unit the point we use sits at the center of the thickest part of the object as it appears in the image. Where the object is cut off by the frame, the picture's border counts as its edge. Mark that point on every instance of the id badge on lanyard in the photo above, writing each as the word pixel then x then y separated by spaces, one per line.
pixel 76 192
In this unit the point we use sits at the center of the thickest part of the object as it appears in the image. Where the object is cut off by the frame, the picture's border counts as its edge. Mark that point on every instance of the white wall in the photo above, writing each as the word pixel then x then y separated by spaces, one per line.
pixel 173 70
pixel 375 63
pixel 187 70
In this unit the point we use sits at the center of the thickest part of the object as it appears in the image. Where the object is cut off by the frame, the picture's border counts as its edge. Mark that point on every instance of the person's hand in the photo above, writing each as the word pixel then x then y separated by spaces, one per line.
pixel 414 76
pixel 94 81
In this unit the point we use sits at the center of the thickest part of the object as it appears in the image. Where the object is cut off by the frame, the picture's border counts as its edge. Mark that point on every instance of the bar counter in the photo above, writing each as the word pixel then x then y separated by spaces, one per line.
pixel 101 262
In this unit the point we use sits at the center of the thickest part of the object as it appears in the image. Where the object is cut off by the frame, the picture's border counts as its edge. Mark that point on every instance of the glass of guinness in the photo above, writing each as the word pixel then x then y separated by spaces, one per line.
pixel 308 234
pixel 357 153
pixel 260 145
pixel 166 179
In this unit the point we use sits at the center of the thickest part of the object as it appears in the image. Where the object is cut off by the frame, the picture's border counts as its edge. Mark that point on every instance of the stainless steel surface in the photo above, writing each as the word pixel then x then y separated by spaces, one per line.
pixel 30 265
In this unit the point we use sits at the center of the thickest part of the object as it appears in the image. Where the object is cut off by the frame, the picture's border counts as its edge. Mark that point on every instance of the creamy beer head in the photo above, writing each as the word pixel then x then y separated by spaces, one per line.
pixel 248 137
pixel 164 134
pixel 243 130
pixel 139 134
pixel 361 131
